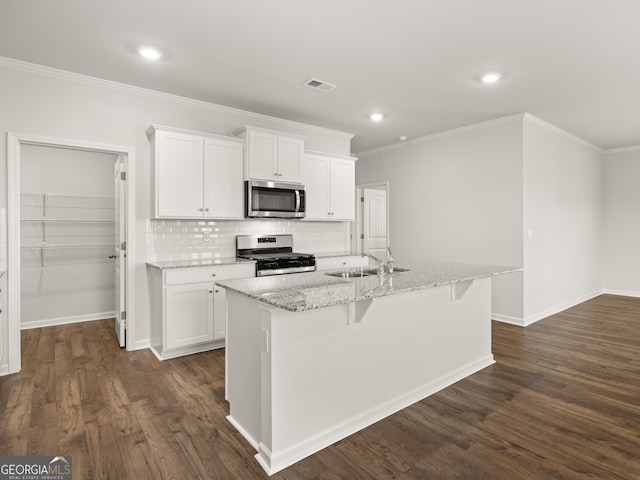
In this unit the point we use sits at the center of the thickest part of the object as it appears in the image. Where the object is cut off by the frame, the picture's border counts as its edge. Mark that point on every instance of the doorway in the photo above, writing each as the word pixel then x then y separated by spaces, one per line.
pixel 91 227
pixel 372 220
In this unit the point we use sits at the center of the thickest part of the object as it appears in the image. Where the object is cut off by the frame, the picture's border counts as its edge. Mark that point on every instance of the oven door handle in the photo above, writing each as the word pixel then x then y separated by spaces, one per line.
pixel 297 200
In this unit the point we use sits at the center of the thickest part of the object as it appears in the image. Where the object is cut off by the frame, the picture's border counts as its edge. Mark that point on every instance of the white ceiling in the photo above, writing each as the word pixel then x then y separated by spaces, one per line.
pixel 573 63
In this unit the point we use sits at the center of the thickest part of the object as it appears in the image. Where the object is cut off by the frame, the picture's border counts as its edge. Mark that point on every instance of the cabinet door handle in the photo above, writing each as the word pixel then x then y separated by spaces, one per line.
pixel 217 291
pixel 206 209
pixel 210 291
pixel 213 274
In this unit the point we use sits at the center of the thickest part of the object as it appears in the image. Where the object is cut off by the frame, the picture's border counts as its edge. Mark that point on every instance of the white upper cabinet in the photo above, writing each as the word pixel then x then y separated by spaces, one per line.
pixel 330 187
pixel 342 189
pixel 197 175
pixel 179 174
pixel 262 155
pixel 224 187
pixel 315 175
pixel 290 155
pixel 272 156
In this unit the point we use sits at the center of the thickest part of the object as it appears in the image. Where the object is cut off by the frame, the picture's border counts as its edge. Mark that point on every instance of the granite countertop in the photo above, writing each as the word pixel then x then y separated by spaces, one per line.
pixel 197 262
pixel 336 254
pixel 308 291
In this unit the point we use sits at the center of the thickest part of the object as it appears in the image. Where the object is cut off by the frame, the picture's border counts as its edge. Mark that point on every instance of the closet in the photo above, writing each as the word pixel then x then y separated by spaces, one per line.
pixel 67 236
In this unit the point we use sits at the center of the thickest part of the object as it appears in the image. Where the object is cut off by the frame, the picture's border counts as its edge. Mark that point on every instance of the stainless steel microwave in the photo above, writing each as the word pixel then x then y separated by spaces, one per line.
pixel 274 199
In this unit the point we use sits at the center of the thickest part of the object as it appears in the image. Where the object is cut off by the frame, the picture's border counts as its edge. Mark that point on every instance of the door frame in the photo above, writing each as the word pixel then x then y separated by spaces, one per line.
pixel 356 226
pixel 120 173
pixel 14 143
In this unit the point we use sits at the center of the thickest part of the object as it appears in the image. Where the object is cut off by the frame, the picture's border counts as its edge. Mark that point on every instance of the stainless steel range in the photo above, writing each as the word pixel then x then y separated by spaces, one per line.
pixel 274 254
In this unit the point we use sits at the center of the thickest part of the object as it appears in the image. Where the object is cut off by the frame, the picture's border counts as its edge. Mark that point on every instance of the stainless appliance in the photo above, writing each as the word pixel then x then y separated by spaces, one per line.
pixel 274 199
pixel 274 254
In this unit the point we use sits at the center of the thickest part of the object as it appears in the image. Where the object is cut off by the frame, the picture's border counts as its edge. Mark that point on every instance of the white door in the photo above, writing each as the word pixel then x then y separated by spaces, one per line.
pixel 374 223
pixel 120 248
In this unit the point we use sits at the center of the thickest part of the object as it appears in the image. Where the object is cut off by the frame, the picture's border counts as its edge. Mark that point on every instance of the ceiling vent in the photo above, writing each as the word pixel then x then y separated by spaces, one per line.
pixel 319 85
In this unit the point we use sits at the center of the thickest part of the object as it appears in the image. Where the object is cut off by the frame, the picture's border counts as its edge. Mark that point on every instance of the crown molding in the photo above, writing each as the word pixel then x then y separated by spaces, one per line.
pixel 247 116
pixel 560 132
pixel 447 133
pixel 631 148
pixel 523 117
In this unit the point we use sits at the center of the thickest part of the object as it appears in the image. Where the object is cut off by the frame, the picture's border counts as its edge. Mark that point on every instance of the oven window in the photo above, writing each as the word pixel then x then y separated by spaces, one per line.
pixel 273 199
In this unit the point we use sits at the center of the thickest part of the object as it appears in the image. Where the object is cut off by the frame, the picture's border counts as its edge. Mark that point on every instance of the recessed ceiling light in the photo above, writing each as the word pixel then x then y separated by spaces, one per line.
pixel 149 53
pixel 490 77
pixel 376 117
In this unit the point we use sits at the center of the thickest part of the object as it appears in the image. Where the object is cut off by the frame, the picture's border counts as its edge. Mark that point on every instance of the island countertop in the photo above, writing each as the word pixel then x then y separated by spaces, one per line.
pixel 308 291
pixel 197 262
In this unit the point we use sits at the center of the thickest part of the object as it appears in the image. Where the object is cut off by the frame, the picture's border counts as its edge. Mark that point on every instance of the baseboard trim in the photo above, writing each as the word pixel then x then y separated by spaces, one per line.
pixel 552 311
pixel 252 441
pixel 274 463
pixel 140 344
pixel 508 319
pixel 51 322
pixel 622 293
pixel 181 352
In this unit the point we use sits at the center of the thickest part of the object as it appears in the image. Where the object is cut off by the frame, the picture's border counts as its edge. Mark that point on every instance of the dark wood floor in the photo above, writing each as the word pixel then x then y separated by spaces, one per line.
pixel 561 402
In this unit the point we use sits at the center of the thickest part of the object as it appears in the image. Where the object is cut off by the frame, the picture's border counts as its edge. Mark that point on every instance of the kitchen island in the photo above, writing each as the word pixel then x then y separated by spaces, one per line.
pixel 312 358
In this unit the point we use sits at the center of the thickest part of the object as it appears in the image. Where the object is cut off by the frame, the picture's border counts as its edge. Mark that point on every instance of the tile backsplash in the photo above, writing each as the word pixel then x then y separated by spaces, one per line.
pixel 187 239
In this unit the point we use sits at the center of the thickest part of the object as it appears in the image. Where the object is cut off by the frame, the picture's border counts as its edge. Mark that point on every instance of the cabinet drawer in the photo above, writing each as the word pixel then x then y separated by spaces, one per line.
pixel 348 261
pixel 209 274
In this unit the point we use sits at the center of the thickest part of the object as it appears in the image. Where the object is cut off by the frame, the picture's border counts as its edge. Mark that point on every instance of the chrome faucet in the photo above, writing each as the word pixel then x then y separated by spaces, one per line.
pixel 389 264
pixel 377 260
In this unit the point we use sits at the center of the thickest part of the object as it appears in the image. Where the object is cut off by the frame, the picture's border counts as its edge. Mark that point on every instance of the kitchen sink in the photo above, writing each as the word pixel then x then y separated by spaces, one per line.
pixel 374 271
pixel 351 274
pixel 363 273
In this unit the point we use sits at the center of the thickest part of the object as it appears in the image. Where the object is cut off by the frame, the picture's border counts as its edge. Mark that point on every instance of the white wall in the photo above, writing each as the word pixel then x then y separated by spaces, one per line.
pixel 457 197
pixel 621 243
pixel 563 210
pixel 66 171
pixel 40 101
pixel 74 284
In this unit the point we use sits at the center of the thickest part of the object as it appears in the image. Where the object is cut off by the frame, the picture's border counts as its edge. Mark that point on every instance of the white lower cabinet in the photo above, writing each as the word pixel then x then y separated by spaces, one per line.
pixel 189 313
pixel 347 261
